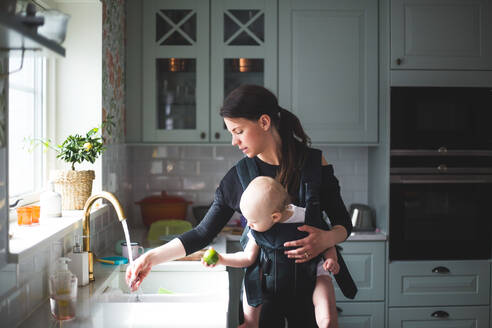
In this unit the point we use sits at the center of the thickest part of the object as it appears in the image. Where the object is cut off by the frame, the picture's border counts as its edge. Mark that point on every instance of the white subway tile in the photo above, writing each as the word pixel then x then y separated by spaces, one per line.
pixel 227 152
pixel 199 183
pixel 211 166
pixel 197 152
pixel 165 183
pixel 166 152
pixel 156 167
pixel 181 167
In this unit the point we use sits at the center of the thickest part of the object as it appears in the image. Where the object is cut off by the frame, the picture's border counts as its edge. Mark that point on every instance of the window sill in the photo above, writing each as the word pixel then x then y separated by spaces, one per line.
pixel 26 240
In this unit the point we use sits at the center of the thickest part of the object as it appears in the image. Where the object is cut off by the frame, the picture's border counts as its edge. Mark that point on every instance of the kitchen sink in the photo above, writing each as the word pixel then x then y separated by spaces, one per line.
pixel 165 298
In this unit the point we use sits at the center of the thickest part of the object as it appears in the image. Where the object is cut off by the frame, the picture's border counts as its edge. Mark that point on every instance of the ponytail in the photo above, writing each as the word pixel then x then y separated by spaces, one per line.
pixel 252 101
pixel 295 143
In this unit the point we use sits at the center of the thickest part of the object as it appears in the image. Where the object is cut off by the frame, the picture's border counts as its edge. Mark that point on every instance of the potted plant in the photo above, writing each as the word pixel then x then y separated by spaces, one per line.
pixel 75 186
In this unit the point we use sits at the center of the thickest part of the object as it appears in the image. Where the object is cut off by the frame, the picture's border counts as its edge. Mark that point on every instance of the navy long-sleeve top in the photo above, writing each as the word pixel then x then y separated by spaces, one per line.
pixel 228 195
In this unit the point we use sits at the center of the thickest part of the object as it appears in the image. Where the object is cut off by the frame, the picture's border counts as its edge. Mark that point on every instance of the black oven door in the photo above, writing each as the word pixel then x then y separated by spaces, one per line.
pixel 437 217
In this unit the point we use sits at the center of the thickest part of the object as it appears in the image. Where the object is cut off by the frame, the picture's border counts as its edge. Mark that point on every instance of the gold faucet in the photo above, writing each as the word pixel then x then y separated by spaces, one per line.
pixel 86 227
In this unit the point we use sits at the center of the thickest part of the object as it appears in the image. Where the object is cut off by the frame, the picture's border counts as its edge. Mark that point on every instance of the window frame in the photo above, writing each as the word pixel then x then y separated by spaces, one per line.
pixel 41 125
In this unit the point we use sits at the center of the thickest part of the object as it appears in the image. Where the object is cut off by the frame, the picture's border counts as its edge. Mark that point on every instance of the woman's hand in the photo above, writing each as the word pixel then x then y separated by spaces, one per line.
pixel 137 272
pixel 311 246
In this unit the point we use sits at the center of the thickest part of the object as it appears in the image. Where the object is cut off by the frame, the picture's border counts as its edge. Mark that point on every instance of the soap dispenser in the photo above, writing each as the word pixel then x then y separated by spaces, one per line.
pixel 79 263
pixel 50 202
pixel 63 291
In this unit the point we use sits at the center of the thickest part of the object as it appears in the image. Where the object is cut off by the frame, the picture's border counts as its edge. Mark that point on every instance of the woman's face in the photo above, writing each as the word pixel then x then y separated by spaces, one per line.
pixel 248 136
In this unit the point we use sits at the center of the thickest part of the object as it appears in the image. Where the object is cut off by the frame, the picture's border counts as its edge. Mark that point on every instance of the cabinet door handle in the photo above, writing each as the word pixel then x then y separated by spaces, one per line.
pixel 440 314
pixel 217 135
pixel 398 61
pixel 203 135
pixel 339 310
pixel 440 269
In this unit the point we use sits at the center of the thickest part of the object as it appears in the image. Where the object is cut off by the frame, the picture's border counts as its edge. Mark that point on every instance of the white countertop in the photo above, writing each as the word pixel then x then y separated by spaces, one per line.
pixel 88 310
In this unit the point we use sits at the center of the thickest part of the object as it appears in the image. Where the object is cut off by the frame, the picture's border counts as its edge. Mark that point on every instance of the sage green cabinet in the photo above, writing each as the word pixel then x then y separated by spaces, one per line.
pixel 366 263
pixel 194 53
pixel 439 317
pixel 360 314
pixel 441 34
pixel 328 68
pixel 439 283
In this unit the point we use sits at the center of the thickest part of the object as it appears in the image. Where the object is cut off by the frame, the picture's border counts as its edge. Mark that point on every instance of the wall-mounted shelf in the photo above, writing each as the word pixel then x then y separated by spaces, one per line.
pixel 15 36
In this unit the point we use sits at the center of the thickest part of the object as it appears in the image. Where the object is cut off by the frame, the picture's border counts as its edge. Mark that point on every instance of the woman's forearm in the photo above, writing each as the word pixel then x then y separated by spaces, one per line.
pixel 172 250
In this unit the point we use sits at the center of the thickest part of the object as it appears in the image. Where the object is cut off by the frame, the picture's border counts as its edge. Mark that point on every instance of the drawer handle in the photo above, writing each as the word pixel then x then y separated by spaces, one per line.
pixel 440 314
pixel 440 269
pixel 339 310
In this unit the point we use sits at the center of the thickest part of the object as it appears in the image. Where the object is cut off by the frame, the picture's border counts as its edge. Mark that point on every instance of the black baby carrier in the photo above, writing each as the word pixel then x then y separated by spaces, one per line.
pixel 281 276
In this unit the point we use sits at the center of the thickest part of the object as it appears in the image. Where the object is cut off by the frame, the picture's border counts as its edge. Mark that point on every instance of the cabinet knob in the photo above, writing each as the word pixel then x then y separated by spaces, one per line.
pixel 440 314
pixel 398 61
pixel 217 135
pixel 440 269
pixel 203 135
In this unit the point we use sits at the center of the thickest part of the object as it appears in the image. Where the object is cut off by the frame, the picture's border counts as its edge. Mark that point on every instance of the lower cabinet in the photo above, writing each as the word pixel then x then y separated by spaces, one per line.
pixel 440 317
pixel 361 314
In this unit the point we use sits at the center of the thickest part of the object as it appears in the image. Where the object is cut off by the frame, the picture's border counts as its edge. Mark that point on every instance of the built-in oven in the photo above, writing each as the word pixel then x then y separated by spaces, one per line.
pixel 440 173
pixel 440 216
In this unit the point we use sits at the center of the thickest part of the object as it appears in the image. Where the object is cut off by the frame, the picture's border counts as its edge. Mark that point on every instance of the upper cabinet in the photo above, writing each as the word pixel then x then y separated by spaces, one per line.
pixel 441 34
pixel 194 53
pixel 328 68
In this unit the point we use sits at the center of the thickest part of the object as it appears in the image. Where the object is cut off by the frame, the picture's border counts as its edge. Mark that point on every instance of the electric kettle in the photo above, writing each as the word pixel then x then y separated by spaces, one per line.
pixel 362 217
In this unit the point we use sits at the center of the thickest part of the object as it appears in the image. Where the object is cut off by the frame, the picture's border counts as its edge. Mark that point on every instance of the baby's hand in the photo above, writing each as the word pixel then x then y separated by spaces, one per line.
pixel 206 264
pixel 331 265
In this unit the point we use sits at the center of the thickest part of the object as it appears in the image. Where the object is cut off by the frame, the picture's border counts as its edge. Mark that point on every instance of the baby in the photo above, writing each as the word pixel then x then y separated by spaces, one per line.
pixel 264 203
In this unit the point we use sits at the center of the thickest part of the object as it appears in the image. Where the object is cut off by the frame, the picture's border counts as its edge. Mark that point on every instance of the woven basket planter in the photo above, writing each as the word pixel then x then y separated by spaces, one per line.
pixel 75 188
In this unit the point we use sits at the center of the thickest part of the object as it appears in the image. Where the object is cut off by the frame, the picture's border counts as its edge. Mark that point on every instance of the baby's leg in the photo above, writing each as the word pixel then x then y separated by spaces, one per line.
pixel 251 314
pixel 325 307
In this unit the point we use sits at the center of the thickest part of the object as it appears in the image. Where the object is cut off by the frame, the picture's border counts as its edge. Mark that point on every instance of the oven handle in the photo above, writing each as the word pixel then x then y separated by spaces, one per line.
pixel 455 179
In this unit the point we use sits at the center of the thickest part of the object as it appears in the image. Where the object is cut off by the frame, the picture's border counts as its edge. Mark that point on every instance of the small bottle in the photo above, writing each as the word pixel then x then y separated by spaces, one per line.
pixel 51 203
pixel 79 263
pixel 63 291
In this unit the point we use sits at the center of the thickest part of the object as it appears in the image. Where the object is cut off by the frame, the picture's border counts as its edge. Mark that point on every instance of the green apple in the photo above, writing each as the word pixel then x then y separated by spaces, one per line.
pixel 211 256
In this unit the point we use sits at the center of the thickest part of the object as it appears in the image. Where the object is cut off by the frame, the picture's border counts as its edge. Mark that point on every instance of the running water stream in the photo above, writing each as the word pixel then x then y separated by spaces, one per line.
pixel 130 257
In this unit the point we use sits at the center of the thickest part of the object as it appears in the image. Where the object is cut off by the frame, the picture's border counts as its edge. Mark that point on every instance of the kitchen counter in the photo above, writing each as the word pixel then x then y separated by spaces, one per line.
pixel 88 309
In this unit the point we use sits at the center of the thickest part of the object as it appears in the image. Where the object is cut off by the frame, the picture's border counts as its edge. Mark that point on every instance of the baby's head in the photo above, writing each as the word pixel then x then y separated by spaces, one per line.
pixel 263 203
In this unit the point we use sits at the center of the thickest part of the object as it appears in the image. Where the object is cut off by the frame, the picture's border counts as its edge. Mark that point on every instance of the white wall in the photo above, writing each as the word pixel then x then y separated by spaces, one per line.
pixel 78 99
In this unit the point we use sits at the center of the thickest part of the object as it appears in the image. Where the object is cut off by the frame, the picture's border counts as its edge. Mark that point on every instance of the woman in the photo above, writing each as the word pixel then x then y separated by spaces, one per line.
pixel 274 137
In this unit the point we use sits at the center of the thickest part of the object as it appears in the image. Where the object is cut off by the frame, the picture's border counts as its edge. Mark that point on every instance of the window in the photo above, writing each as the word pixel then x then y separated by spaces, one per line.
pixel 26 114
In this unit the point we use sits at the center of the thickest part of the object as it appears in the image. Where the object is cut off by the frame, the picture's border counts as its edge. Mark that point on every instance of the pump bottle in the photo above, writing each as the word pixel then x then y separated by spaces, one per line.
pixel 63 291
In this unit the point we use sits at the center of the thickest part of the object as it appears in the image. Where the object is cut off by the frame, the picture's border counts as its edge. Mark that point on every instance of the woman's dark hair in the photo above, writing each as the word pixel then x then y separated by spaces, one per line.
pixel 252 101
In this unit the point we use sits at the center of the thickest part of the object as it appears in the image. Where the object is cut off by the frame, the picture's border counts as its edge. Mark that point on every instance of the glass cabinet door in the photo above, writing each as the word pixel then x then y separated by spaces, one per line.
pixel 176 71
pixel 244 51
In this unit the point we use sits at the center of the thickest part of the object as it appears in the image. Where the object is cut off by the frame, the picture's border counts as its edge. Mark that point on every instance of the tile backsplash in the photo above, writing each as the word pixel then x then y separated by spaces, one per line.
pixel 194 172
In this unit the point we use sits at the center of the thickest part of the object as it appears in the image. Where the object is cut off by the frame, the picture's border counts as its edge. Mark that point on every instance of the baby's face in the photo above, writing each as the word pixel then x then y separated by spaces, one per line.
pixel 259 221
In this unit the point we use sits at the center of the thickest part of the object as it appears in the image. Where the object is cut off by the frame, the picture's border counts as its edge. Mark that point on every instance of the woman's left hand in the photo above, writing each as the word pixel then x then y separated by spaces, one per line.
pixel 311 246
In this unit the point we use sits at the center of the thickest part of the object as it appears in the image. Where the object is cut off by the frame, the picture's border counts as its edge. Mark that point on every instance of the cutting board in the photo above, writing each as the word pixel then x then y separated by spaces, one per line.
pixel 194 256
